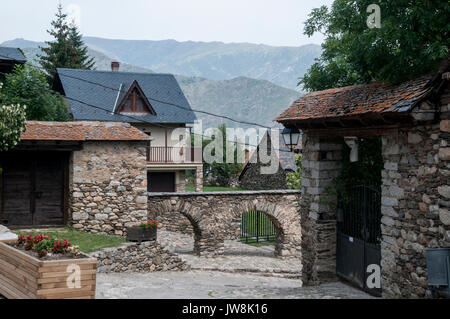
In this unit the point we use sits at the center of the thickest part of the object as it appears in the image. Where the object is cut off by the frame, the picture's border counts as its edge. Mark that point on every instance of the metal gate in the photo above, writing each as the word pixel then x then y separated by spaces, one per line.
pixel 359 235
pixel 257 227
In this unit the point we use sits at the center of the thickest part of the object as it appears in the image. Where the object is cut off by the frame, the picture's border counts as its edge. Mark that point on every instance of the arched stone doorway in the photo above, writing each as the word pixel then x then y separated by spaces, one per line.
pixel 215 217
pixel 287 236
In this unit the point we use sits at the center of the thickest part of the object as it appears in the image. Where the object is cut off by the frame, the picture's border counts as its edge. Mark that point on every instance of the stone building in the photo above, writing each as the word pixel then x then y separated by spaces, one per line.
pixel 253 177
pixel 413 121
pixel 89 175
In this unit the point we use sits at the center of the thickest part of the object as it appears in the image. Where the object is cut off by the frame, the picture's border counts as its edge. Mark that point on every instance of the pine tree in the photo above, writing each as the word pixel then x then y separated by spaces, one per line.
pixel 78 54
pixel 56 54
pixel 67 50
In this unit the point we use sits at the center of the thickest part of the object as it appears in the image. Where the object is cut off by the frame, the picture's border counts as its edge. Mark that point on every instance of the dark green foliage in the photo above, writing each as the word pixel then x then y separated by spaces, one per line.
pixel 78 52
pixel 294 180
pixel 414 37
pixel 27 85
pixel 366 171
pixel 221 174
pixel 67 50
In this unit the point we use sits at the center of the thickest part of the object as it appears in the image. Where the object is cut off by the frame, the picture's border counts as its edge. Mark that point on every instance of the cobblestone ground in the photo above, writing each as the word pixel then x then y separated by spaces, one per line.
pixel 215 285
pixel 238 257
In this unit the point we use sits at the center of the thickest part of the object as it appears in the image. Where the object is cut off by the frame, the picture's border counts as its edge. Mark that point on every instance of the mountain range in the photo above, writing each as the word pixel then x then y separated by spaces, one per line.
pixel 213 60
pixel 234 80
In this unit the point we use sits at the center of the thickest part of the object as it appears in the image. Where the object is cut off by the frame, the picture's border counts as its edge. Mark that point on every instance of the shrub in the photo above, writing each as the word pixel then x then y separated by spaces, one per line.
pixel 43 244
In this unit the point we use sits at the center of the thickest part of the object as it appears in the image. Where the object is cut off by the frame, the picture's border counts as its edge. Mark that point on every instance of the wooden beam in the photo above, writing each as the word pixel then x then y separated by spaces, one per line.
pixel 48 146
pixel 360 132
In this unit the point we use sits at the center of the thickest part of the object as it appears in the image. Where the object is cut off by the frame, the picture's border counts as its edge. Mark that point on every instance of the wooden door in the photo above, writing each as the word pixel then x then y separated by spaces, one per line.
pixel 16 192
pixel 33 189
pixel 49 191
pixel 161 182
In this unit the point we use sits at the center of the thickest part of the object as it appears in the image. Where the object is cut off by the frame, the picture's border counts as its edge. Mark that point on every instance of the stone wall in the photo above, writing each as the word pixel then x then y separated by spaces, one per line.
pixel 415 204
pixel 321 163
pixel 215 217
pixel 252 178
pixel 254 175
pixel 133 257
pixel 108 187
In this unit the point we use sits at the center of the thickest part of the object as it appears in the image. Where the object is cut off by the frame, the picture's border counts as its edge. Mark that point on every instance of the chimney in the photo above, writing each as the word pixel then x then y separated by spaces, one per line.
pixel 115 66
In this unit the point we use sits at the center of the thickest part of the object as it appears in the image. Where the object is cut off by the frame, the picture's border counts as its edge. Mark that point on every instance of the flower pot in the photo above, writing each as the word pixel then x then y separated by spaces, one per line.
pixel 141 234
pixel 23 276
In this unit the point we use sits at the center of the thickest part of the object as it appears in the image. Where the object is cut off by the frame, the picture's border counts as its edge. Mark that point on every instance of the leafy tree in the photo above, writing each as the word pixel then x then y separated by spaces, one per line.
pixel 27 85
pixel 222 173
pixel 414 37
pixel 67 50
pixel 12 124
pixel 294 180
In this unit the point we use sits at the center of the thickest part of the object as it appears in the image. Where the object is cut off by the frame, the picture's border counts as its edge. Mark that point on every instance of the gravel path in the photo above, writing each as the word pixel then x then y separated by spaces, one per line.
pixel 214 285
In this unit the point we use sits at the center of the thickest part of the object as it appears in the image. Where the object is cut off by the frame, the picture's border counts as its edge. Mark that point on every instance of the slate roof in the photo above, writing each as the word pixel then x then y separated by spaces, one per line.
pixel 358 100
pixel 82 85
pixel 81 131
pixel 12 54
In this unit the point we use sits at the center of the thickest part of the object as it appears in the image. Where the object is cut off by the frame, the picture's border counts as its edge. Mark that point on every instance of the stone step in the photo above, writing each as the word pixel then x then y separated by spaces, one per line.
pixel 259 272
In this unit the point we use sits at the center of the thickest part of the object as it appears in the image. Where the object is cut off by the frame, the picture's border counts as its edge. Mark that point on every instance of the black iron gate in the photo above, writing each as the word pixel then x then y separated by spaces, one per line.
pixel 257 227
pixel 358 236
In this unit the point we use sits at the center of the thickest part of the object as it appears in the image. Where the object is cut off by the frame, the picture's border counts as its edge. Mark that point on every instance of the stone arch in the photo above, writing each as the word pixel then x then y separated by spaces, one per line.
pixel 183 208
pixel 287 228
pixel 213 217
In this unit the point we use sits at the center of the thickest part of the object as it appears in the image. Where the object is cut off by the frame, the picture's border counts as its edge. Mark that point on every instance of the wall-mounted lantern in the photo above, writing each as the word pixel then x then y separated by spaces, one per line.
pixel 291 137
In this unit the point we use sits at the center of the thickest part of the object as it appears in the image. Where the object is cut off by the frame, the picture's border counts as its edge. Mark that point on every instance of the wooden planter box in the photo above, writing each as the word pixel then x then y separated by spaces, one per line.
pixel 141 234
pixel 25 277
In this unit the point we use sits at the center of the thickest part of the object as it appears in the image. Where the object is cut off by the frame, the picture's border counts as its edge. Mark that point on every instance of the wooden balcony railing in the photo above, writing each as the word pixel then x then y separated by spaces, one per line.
pixel 162 154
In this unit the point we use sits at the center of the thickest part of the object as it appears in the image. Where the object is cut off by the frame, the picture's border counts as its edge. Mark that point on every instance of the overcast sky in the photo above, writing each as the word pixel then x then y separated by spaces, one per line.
pixel 273 22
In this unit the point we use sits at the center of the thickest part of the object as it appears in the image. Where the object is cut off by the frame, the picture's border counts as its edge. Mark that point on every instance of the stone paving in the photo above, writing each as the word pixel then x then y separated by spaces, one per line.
pixel 238 257
pixel 215 285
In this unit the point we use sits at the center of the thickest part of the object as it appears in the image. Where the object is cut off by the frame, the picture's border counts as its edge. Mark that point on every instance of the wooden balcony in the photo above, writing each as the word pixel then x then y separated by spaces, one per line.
pixel 174 155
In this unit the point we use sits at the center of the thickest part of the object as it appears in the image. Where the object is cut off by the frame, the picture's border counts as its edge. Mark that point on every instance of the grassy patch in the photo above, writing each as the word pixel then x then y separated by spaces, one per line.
pixel 88 242
pixel 257 224
pixel 215 189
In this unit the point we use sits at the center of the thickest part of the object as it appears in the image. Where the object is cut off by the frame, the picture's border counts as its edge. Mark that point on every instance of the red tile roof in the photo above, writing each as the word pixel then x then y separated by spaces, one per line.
pixel 81 131
pixel 358 99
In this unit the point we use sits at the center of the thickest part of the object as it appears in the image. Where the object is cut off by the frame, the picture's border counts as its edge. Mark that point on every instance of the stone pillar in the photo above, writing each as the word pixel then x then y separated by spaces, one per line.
pixel 321 163
pixel 180 182
pixel 199 179
pixel 444 169
pixel 391 194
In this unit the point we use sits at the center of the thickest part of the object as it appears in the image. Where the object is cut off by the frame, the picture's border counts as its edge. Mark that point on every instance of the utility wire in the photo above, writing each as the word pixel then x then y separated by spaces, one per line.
pixel 136 118
pixel 157 100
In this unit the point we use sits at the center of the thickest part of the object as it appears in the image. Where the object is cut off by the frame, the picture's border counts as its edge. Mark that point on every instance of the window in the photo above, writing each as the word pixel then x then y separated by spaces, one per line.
pixel 135 101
